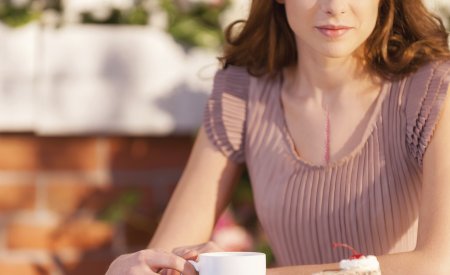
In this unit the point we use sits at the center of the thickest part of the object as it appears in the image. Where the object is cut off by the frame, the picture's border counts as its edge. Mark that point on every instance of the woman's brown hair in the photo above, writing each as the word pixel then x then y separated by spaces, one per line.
pixel 406 36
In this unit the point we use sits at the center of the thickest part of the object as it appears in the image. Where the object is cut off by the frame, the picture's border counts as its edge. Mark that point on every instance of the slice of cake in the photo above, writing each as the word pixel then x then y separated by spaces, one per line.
pixel 357 264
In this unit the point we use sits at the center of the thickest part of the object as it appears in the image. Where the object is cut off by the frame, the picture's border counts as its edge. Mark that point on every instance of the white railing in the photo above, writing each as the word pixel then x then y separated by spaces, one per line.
pixel 85 79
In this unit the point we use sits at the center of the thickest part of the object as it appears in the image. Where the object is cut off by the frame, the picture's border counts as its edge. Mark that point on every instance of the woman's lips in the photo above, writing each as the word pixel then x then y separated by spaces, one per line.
pixel 333 31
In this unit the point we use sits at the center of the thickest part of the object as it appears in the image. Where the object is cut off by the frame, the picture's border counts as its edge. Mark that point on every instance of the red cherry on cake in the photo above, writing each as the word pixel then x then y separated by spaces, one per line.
pixel 355 254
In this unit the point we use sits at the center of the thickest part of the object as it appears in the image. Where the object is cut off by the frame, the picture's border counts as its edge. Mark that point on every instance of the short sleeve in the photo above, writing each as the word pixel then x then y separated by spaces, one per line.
pixel 225 112
pixel 425 96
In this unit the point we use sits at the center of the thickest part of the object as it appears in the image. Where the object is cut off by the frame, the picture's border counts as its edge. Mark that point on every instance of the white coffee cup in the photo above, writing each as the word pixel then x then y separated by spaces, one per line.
pixel 231 263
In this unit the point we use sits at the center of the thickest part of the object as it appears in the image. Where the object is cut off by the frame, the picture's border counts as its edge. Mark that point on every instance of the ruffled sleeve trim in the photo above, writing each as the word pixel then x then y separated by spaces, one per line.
pixel 426 95
pixel 226 110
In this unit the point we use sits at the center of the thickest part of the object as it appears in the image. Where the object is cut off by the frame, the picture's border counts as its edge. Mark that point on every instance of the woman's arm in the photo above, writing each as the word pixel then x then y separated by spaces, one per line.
pixel 432 253
pixel 201 195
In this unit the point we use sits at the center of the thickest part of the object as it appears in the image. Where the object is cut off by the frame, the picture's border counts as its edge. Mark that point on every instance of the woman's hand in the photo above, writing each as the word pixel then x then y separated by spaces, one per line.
pixel 149 262
pixel 191 253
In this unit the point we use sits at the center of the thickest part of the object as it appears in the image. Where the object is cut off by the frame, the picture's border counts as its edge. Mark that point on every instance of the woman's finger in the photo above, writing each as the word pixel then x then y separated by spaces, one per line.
pixel 161 260
pixel 191 252
pixel 190 255
pixel 182 250
pixel 150 262
pixel 188 270
pixel 188 252
pixel 128 264
pixel 170 272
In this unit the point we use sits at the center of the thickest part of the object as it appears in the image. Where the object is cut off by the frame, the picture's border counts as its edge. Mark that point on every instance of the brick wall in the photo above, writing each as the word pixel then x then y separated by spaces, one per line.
pixel 69 205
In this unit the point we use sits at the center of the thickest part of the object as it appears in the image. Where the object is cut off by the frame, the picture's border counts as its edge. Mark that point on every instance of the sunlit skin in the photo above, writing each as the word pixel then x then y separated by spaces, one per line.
pixel 329 76
pixel 333 29
pixel 330 36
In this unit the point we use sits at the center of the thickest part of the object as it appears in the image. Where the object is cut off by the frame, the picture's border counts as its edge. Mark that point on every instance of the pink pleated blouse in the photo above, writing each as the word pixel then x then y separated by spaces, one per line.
pixel 369 199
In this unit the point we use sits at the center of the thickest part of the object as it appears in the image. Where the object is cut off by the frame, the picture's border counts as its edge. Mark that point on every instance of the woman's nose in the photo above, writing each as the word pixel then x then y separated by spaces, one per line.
pixel 334 7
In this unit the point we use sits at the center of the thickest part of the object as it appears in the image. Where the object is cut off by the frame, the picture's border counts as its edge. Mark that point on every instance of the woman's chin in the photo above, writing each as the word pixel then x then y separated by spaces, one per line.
pixel 337 53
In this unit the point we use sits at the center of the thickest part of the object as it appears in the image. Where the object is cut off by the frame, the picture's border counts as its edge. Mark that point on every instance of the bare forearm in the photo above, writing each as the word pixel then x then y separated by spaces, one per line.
pixel 202 193
pixel 183 228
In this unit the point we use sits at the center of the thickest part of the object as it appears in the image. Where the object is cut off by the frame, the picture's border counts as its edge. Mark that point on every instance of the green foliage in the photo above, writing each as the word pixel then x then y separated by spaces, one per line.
pixel 198 25
pixel 17 16
pixel 137 15
pixel 195 26
pixel 14 16
pixel 263 246
pixel 119 209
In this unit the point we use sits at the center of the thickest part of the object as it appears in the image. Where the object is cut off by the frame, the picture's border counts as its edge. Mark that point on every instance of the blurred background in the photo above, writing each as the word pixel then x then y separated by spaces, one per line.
pixel 100 101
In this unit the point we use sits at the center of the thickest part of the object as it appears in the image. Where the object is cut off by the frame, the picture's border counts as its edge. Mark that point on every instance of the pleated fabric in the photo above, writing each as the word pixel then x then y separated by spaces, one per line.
pixel 369 199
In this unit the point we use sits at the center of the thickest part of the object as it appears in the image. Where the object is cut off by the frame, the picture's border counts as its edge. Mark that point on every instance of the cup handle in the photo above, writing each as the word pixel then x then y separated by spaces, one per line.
pixel 195 265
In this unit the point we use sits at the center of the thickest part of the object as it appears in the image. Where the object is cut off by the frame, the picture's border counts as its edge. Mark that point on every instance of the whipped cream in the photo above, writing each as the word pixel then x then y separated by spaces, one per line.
pixel 365 263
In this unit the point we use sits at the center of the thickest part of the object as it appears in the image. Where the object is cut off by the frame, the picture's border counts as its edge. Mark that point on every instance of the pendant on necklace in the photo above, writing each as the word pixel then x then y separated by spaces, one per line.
pixel 327 136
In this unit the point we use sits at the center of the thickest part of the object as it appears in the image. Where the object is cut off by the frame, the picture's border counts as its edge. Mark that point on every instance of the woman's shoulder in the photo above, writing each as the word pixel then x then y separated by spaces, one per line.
pixel 225 112
pixel 430 80
pixel 233 71
pixel 241 76
pixel 425 94
pixel 232 75
pixel 435 70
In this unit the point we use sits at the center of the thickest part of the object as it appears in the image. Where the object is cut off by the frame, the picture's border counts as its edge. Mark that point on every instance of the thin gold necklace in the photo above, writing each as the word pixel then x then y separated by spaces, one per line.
pixel 327 135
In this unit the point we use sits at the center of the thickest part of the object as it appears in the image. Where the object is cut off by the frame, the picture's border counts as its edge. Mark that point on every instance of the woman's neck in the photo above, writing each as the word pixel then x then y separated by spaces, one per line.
pixel 326 80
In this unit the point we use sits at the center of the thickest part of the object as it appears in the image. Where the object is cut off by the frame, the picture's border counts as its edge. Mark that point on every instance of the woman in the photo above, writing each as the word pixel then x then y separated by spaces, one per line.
pixel 339 110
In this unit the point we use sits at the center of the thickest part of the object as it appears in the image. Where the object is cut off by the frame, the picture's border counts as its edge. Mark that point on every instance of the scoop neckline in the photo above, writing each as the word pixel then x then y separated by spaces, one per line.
pixel 292 148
